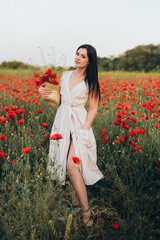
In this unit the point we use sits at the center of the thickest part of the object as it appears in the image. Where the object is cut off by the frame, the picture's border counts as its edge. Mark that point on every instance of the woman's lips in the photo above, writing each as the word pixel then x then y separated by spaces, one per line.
pixel 77 62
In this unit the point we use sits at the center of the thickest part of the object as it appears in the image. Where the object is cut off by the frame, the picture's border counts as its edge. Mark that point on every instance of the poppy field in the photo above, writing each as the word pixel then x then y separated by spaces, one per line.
pixel 127 132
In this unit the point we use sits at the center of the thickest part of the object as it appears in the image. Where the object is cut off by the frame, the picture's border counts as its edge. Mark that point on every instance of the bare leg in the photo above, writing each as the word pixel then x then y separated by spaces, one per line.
pixel 78 184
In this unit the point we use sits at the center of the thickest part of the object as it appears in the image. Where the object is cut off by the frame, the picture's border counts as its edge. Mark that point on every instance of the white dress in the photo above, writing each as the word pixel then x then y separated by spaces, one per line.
pixel 70 118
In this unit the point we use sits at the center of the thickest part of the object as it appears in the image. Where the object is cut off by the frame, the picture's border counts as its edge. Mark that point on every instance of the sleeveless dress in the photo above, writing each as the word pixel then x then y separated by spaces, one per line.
pixel 69 120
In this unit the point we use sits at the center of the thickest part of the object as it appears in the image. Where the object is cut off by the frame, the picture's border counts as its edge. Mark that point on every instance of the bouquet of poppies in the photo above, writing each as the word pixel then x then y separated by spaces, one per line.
pixel 49 80
pixel 48 76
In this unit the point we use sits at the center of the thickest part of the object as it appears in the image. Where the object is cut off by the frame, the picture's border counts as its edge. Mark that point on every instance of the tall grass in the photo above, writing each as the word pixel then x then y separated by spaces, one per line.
pixel 125 202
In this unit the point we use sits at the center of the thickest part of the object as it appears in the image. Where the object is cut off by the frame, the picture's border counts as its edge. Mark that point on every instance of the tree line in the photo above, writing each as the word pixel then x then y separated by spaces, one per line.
pixel 141 58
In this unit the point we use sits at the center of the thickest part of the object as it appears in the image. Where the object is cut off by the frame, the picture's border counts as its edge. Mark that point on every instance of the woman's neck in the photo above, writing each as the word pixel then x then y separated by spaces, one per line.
pixel 80 71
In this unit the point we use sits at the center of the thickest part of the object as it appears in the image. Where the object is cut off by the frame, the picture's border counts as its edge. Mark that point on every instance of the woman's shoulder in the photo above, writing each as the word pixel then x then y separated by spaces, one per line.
pixel 62 76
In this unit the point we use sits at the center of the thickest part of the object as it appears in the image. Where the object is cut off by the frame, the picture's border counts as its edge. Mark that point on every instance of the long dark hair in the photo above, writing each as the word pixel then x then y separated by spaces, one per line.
pixel 92 71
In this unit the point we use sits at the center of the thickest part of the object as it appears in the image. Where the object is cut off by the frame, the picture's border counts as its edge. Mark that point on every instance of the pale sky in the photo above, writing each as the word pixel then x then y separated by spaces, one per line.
pixel 59 27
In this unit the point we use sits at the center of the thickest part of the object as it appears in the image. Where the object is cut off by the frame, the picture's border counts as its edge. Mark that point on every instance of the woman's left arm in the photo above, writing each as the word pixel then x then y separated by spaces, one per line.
pixel 93 106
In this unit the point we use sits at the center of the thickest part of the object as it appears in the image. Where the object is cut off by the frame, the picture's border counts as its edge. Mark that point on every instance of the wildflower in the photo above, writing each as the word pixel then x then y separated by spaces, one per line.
pixel 11 115
pixel 36 75
pixel 68 226
pixel 37 148
pixel 133 112
pixel 52 227
pixel 118 122
pixel 121 139
pixel 103 132
pixel 45 125
pixel 19 112
pixel 141 114
pixel 133 144
pixel 40 111
pixel 2 155
pixel 157 126
pixel 116 142
pixel 14 107
pixel 76 160
pixel 26 150
pixel 105 139
pixel 119 115
pixel 21 122
pixel 3 137
pixel 7 108
pixel 137 149
pixel 13 161
pixel 115 226
pixel 104 103
pixel 3 120
pixel 46 135
pixel 56 136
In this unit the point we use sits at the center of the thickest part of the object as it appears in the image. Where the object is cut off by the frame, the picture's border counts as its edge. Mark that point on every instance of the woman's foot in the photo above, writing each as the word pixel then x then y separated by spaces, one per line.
pixel 88 217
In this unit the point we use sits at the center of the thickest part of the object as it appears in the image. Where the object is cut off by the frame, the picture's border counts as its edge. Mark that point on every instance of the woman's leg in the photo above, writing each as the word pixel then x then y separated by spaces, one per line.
pixel 78 183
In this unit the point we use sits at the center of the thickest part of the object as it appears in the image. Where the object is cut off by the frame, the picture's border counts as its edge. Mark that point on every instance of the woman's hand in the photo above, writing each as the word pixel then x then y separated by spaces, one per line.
pixel 45 91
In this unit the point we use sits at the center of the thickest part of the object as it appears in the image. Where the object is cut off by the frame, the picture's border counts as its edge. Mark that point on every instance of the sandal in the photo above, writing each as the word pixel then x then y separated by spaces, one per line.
pixel 90 218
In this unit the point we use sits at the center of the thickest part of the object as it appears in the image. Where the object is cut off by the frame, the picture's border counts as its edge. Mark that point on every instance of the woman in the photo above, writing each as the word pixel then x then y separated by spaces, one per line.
pixel 74 123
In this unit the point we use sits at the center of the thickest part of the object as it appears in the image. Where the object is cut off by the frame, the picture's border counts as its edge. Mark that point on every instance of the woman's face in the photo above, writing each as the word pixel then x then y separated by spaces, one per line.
pixel 81 58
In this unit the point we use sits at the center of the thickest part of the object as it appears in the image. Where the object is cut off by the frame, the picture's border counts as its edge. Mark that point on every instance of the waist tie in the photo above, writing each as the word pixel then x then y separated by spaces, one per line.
pixel 73 106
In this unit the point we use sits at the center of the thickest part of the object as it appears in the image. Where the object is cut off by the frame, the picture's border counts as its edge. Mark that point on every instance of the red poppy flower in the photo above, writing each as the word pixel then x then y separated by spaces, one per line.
pixel 40 111
pixel 157 126
pixel 26 150
pixel 119 115
pixel 36 75
pixel 2 155
pixel 104 103
pixel 133 112
pixel 7 108
pixel 11 115
pixel 37 148
pixel 103 132
pixel 121 139
pixel 45 125
pixel 21 122
pixel 116 141
pixel 3 120
pixel 56 136
pixel 137 149
pixel 3 137
pixel 13 161
pixel 105 139
pixel 133 144
pixel 76 160
pixel 115 226
pixel 21 111
pixel 118 122
pixel 14 107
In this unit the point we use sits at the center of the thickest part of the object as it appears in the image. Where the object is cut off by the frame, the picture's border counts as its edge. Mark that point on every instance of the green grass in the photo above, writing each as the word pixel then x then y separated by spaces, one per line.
pixel 33 206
